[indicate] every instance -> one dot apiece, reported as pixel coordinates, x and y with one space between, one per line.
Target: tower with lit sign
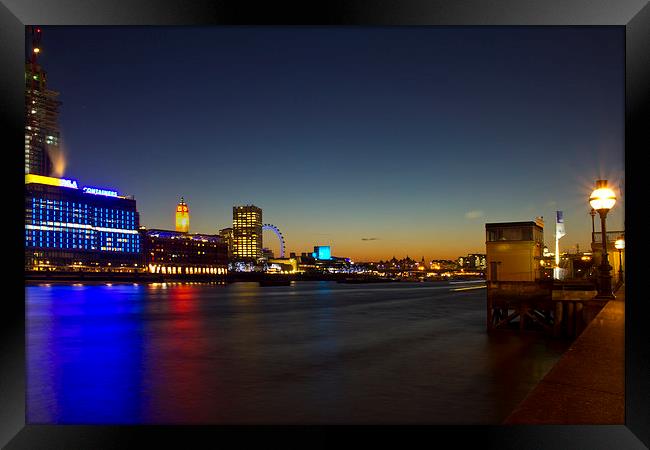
41 109
182 217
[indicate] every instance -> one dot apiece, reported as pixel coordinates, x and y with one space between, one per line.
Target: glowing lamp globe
619 244
602 198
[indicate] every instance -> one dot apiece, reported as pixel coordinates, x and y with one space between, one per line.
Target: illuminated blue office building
322 252
84 229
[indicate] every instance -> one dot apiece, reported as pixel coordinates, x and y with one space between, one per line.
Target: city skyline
316 127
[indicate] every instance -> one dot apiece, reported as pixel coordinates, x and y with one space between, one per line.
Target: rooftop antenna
34 35
35 48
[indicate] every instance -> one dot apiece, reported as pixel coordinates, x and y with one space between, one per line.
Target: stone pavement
586 386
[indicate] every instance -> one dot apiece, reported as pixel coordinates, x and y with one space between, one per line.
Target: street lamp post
592 213
602 199
620 245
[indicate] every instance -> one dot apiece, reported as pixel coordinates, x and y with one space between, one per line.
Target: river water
313 352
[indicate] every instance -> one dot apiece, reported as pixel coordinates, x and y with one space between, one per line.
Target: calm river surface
313 352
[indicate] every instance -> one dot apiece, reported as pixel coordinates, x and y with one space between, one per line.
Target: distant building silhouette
473 261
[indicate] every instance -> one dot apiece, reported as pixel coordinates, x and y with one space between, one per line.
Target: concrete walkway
586 386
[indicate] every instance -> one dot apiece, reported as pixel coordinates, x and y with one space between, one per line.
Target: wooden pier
557 309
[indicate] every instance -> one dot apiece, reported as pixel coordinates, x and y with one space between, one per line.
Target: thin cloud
370 239
474 214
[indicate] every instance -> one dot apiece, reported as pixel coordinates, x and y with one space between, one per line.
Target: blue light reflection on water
84 354
313 352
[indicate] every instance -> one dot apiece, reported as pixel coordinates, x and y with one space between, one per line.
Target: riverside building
514 251
68 228
180 254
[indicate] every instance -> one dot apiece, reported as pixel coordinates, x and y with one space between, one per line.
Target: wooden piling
580 323
490 310
557 320
570 322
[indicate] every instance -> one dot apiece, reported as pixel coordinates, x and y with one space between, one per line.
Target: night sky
378 141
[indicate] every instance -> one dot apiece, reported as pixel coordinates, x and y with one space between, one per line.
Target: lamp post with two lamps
602 199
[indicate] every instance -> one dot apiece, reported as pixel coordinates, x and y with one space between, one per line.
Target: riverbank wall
587 384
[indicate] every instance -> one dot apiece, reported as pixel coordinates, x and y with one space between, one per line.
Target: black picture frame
634 15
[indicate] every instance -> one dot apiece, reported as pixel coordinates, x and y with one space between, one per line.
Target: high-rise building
247 233
42 111
182 217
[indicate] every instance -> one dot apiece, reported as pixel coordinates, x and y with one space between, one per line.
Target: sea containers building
68 228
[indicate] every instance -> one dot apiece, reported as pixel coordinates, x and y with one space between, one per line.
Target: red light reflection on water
182 361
